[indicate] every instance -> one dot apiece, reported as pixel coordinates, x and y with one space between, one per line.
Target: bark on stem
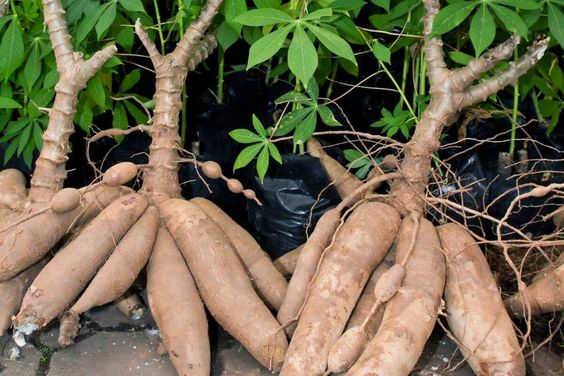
74 73
449 96
160 178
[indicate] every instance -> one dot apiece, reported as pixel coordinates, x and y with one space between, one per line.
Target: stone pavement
111 344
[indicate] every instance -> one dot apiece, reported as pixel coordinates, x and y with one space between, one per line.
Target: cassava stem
74 72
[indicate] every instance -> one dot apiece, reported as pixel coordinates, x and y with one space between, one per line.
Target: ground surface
110 344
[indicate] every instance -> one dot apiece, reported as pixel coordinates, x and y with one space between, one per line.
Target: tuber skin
367 299
120 174
212 170
411 313
348 348
270 285
544 294
287 262
475 311
26 243
223 282
65 200
343 273
306 266
78 262
13 192
177 308
12 292
345 182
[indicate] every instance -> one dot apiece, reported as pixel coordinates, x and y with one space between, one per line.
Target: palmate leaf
305 129
482 29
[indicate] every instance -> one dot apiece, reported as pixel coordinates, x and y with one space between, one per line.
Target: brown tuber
212 169
66 199
347 350
234 185
120 174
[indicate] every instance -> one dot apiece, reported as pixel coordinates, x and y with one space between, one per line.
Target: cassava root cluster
366 288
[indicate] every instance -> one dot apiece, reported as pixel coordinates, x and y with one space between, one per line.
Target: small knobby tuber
120 174
66 199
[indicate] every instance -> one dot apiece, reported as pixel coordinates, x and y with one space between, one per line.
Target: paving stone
117 353
109 316
26 365
231 359
441 357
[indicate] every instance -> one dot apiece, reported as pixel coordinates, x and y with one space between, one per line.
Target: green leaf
521 4
511 20
556 23
106 20
125 37
333 42
24 138
37 135
32 68
139 116
85 118
382 4
313 90
320 13
327 116
96 91
381 52
291 120
305 129
130 80
482 29
6 102
460 57
274 153
226 36
11 49
245 136
353 5
352 155
85 27
452 16
292 96
119 117
263 16
264 48
302 56
267 3
259 127
246 156
262 163
10 151
233 9
132 5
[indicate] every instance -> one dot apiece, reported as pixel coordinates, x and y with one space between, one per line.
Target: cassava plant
33 221
335 264
192 250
